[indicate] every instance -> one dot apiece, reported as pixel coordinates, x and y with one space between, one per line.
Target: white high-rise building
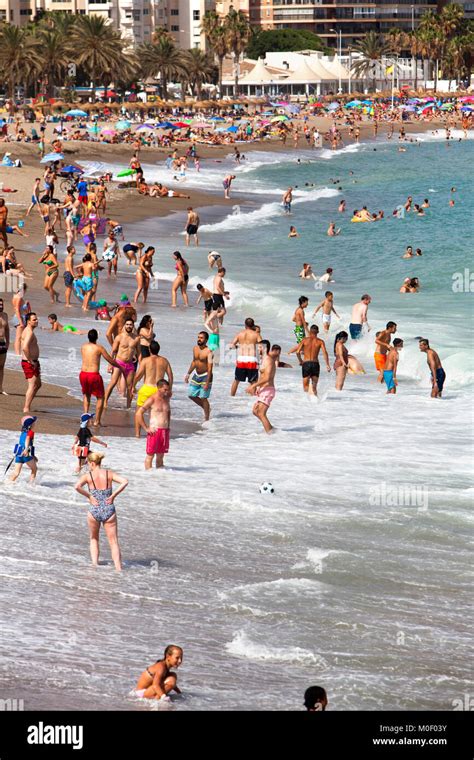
183 19
136 19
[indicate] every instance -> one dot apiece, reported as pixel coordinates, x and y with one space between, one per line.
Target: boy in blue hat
24 450
81 445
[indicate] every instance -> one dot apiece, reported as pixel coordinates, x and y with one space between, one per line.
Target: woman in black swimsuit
181 280
145 331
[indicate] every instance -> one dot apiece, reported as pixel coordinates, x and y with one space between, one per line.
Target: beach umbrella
142 127
353 103
180 125
467 99
108 131
282 117
165 125
76 112
467 108
232 129
217 118
52 157
200 125
332 106
123 125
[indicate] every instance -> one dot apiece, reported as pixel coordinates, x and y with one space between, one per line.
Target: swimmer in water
332 231
293 232
408 253
56 326
342 207
438 375
158 680
307 273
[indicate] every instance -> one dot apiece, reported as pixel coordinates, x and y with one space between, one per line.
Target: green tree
263 41
98 48
56 52
20 55
164 59
199 69
237 27
372 48
216 39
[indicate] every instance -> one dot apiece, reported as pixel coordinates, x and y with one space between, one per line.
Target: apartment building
134 18
183 19
331 18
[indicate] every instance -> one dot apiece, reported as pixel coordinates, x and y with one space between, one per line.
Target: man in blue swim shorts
199 374
438 375
390 371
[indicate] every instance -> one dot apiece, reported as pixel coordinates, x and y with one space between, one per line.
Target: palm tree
56 52
19 55
432 39
237 27
161 58
98 48
372 48
413 45
216 38
199 67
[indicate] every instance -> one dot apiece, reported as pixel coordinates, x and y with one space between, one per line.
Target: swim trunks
3 346
191 229
218 301
158 442
326 319
265 395
380 360
213 342
30 370
87 284
126 366
92 384
299 332
246 368
388 377
144 393
310 369
355 331
440 378
208 305
196 386
68 279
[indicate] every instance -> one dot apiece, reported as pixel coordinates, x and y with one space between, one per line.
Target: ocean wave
242 646
264 214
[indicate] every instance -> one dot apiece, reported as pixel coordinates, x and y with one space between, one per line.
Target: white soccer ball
267 488
109 254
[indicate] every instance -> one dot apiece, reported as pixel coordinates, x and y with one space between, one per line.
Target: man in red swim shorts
30 360
90 377
158 430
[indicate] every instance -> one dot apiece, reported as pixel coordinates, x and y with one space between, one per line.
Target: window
174 12
26 12
146 11
174 28
136 15
196 15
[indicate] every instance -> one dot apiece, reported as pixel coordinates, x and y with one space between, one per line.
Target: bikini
102 512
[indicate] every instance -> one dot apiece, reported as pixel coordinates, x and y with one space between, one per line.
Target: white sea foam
242 646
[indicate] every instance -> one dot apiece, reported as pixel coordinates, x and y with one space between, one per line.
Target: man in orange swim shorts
382 344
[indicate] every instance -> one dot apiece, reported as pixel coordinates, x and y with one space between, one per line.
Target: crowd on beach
138 370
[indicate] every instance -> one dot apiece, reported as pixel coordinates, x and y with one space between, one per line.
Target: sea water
354 573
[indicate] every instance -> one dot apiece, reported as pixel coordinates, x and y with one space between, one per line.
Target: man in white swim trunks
264 389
